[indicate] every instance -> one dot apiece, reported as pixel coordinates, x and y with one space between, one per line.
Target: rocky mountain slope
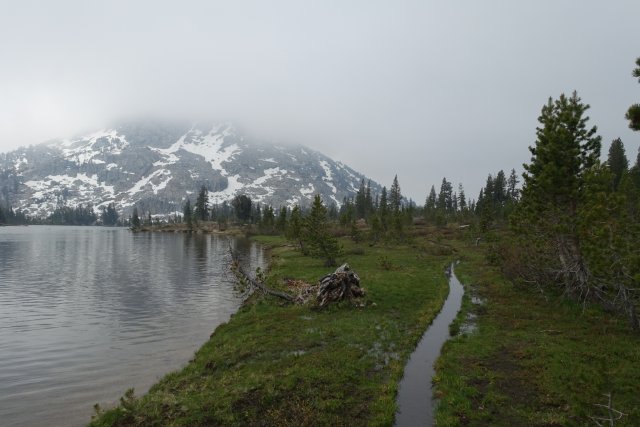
157 166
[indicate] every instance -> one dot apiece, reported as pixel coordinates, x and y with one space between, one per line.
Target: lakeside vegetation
552 338
519 356
533 358
284 364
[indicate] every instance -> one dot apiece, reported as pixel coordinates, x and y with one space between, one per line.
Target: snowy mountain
157 166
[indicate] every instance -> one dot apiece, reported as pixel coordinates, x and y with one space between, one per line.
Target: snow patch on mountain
157 166
147 181
308 191
233 187
85 149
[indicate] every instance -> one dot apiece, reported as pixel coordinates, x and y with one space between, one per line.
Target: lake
87 312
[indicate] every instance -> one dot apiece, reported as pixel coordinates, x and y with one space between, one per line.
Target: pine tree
445 196
316 230
547 216
512 186
633 114
462 200
256 214
332 213
617 162
383 209
347 215
268 219
395 196
202 204
187 214
376 228
430 205
281 222
500 189
109 215
368 201
608 240
242 207
361 201
135 219
295 228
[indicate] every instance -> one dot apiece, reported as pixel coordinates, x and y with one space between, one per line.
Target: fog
421 89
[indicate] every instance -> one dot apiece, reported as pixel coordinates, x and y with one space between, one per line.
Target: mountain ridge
157 166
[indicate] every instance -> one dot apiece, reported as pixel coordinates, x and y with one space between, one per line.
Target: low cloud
419 89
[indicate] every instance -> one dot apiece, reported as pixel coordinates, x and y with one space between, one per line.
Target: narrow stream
415 393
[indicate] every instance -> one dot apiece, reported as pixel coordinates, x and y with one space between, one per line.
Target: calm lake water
87 312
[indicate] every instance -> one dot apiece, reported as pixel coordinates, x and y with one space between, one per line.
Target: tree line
64 215
573 225
10 217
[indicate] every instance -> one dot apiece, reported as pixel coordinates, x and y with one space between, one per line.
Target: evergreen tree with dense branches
633 114
242 207
135 219
430 205
383 209
617 162
281 221
295 227
395 195
462 199
320 242
187 214
361 201
109 215
202 204
570 224
553 182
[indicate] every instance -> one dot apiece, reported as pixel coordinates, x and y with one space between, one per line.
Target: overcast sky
422 89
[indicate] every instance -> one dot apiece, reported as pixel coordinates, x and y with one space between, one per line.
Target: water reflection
87 312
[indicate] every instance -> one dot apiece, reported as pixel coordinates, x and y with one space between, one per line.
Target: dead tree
250 284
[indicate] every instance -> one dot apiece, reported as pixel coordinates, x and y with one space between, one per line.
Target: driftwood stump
343 283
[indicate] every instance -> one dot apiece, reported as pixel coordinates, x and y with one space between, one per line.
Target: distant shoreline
203 227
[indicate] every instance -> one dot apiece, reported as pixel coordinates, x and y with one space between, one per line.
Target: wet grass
534 359
278 364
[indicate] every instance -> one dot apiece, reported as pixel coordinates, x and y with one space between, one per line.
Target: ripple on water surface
87 312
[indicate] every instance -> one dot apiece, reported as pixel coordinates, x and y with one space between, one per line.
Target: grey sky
423 89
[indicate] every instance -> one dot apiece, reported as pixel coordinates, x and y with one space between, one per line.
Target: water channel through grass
415 393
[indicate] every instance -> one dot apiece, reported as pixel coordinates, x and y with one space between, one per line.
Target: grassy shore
199 227
279 364
534 359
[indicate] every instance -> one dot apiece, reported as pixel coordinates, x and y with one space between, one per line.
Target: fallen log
254 283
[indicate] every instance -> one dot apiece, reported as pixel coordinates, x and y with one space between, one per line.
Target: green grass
534 360
279 364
